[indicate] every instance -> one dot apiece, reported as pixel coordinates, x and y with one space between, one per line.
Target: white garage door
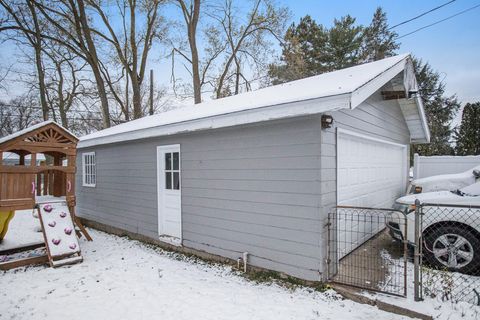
371 173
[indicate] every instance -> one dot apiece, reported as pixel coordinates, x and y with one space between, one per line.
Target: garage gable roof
345 88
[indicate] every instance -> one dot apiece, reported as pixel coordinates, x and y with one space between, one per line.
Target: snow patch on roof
330 84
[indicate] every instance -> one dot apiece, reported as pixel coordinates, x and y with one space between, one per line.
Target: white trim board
368 137
84 172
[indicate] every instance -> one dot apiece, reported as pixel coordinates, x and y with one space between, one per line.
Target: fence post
416 166
417 252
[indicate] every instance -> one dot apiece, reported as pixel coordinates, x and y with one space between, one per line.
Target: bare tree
3 77
18 113
233 35
247 42
132 51
191 13
74 30
65 80
24 18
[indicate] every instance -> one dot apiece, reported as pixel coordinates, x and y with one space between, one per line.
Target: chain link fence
433 250
448 241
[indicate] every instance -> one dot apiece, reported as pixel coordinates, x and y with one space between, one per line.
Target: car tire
453 248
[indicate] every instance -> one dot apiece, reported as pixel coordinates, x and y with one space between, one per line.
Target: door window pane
175 160
168 161
176 180
168 180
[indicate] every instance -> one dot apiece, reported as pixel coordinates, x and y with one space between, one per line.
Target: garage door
371 173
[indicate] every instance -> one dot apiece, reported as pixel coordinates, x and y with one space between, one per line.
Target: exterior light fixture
327 121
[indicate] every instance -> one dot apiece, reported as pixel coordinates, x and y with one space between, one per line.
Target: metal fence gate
361 250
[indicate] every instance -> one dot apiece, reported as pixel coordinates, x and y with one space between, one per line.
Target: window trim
94 166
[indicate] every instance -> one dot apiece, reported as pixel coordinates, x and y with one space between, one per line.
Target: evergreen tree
379 41
468 134
439 110
310 48
344 44
303 52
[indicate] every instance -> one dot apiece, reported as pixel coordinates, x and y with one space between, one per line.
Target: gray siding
375 117
264 188
251 188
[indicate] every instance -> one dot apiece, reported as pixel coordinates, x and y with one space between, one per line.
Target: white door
169 194
371 172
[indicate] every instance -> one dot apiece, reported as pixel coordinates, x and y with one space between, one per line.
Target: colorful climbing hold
56 241
52 224
48 208
68 230
72 246
63 214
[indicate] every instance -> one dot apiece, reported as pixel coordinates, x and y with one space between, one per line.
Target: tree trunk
37 44
137 98
192 40
94 63
103 96
136 82
61 101
41 82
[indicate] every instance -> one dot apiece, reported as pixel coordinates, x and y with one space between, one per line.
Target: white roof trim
363 92
346 88
286 110
423 118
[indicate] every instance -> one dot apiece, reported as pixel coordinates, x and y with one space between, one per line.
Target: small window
172 171
89 172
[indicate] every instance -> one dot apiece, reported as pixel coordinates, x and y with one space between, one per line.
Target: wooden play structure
47 187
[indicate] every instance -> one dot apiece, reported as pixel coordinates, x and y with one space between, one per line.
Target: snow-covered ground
434 282
22 230
125 279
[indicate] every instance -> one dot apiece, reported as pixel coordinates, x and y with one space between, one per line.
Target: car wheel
454 248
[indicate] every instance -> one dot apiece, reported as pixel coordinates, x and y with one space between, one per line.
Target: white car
447 182
451 233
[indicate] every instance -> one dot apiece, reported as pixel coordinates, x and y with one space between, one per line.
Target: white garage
258 172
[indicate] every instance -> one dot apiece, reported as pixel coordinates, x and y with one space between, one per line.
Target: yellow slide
5 218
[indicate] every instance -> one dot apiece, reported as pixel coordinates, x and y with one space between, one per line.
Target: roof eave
423 119
274 112
362 93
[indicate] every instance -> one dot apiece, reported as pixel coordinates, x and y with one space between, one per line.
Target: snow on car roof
472 190
333 84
